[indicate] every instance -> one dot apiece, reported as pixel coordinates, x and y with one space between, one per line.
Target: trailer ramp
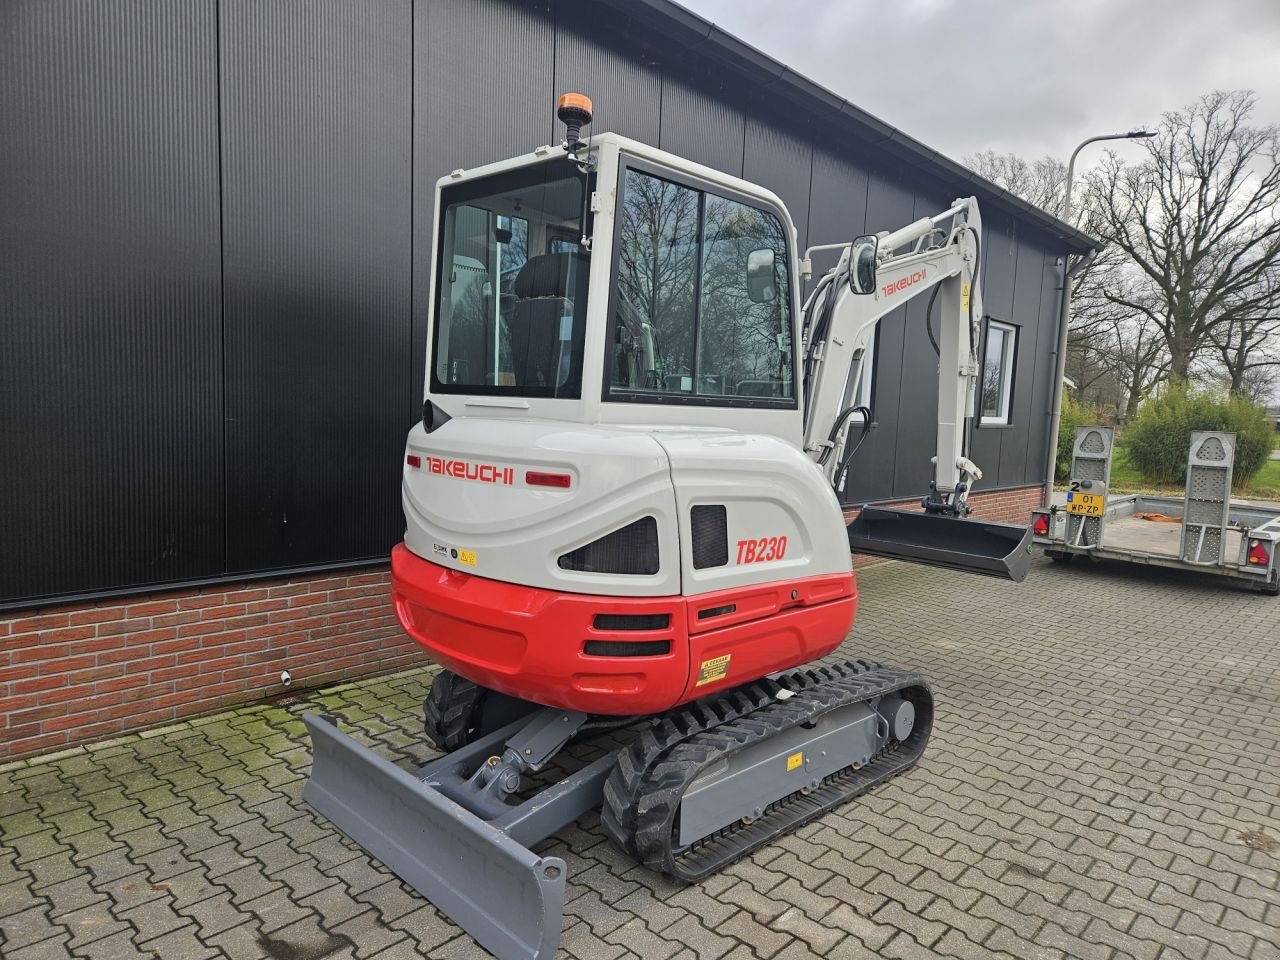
1206 510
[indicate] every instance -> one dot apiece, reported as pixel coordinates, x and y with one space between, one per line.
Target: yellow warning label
468 557
795 761
709 671
964 296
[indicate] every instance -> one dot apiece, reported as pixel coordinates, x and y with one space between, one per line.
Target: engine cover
631 512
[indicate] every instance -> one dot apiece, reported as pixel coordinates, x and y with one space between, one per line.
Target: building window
701 300
997 372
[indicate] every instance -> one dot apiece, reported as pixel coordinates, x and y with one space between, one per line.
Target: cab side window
702 302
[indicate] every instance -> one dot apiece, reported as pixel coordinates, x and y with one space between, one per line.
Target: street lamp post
1055 415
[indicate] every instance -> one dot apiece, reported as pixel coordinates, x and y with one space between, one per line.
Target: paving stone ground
1103 782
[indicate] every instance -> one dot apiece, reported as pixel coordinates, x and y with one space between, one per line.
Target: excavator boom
874 276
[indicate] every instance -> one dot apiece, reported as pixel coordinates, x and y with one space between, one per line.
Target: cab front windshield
511 301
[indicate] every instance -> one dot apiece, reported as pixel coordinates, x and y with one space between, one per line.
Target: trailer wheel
1272 589
457 711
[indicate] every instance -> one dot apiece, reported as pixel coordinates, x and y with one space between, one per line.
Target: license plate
1086 504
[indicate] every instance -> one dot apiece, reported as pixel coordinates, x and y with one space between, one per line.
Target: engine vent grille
627 648
632 549
632 621
709 525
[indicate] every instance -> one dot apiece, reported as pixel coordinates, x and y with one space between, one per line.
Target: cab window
511 304
701 305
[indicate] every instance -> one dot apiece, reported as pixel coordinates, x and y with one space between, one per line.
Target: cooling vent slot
627 648
632 549
709 525
710 612
632 621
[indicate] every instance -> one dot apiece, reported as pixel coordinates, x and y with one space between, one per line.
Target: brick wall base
69 675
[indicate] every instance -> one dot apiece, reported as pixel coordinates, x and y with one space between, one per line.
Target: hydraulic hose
973 335
838 476
928 320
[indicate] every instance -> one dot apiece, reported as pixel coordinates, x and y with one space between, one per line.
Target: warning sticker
795 761
964 296
712 670
468 557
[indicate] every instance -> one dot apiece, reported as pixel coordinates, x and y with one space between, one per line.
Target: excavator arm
875 275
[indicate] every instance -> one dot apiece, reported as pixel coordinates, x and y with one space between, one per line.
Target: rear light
1259 554
1041 525
535 479
414 461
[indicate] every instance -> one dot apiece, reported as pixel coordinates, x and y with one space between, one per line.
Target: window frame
1008 372
609 394
477 188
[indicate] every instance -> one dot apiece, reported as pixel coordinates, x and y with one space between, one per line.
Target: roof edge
695 31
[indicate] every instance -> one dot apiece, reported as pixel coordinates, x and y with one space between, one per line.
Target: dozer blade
974 546
500 892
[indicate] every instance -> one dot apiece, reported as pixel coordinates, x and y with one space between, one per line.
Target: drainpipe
1060 371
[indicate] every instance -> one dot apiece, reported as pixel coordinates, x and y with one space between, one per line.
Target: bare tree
1134 351
1259 385
1041 182
1199 220
1093 318
1246 349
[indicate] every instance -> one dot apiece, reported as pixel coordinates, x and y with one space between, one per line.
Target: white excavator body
620 510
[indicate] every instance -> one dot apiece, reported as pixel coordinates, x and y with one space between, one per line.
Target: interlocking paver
1085 794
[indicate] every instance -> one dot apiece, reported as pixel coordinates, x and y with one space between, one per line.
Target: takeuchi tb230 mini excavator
621 513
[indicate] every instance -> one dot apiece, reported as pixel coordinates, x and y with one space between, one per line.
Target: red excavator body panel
569 650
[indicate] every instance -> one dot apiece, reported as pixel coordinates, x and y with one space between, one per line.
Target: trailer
1204 530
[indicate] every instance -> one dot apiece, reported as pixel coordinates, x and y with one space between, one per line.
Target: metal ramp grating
1207 506
1090 460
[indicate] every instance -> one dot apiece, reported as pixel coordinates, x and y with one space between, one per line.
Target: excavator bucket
974 546
490 884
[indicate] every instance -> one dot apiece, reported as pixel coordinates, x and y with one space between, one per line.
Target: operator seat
548 287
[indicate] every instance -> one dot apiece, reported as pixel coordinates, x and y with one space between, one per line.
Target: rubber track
658 794
451 712
625 786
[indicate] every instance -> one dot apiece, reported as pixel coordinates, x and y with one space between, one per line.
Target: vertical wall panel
837 200
610 59
999 265
110 371
1046 384
483 89
781 160
890 204
1031 343
701 120
316 114
917 424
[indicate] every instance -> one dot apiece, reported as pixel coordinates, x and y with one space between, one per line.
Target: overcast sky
1029 76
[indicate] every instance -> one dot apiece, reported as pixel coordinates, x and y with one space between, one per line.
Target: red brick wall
74 674
1002 506
69 675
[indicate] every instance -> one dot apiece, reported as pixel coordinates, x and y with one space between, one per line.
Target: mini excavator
622 516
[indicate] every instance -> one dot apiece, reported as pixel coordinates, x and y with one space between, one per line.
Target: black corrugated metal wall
215 229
